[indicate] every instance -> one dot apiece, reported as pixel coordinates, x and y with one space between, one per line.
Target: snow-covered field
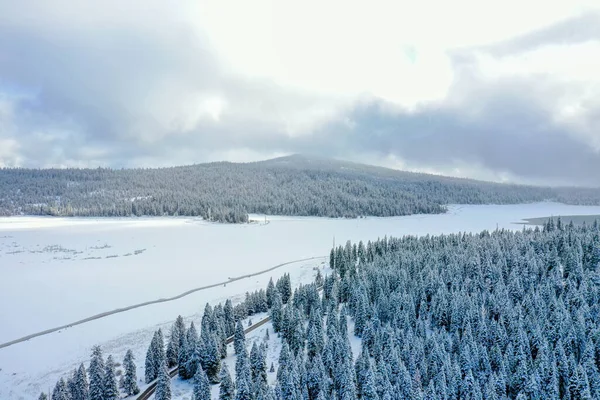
55 271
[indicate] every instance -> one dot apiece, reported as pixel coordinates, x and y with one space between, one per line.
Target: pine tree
229 318
130 385
201 385
61 391
226 387
316 378
163 386
239 338
277 312
210 357
270 293
96 373
78 384
175 342
194 357
43 396
284 287
155 357
110 388
150 371
71 384
160 358
244 391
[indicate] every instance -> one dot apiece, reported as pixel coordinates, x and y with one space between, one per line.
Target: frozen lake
54 271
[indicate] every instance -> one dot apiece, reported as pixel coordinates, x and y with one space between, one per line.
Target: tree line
227 192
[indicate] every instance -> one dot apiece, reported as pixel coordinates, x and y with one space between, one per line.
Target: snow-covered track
146 394
149 391
147 303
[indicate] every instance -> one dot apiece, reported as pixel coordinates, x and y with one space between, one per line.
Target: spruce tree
71 384
210 357
130 385
239 338
201 385
226 387
277 312
243 388
163 385
229 318
82 386
150 372
96 373
172 352
194 357
43 396
110 388
182 357
270 293
155 357
61 391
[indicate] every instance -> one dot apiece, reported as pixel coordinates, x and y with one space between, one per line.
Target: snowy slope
55 271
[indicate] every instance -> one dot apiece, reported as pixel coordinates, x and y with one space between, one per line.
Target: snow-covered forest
493 315
227 192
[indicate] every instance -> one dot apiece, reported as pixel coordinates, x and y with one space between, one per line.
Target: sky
505 91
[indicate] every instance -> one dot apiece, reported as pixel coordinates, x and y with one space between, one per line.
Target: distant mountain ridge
227 192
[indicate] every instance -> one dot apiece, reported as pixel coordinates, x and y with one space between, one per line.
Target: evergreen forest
227 192
487 316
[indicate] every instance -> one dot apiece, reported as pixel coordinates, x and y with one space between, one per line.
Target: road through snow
147 303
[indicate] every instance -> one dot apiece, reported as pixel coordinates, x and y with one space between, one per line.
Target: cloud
150 84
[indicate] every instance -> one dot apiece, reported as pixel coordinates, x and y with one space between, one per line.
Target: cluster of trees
196 355
227 192
99 382
496 315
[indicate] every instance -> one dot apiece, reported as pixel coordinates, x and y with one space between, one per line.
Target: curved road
149 391
147 303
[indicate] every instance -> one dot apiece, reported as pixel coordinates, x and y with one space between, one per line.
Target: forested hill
223 191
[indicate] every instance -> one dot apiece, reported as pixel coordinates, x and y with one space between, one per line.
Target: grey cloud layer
115 97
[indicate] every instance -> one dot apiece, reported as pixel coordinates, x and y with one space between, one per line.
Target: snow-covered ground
182 390
54 271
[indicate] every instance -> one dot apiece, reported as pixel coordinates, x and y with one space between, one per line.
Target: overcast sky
498 90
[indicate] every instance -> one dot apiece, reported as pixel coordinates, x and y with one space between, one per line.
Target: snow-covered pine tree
96 373
182 357
210 357
161 357
239 338
130 385
229 318
61 391
43 396
243 389
270 292
155 357
226 387
71 383
258 365
82 386
172 352
150 372
110 388
201 385
316 379
163 385
284 287
277 311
